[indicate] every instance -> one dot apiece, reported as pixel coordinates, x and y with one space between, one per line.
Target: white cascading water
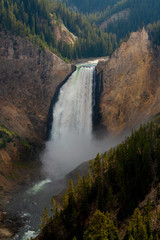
73 111
72 124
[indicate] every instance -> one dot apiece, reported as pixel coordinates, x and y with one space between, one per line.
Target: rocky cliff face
28 80
63 34
131 84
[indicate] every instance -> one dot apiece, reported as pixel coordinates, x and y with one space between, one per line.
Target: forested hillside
88 6
154 32
140 13
116 183
92 41
36 19
129 15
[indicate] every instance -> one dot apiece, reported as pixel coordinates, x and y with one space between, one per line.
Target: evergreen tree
45 219
136 229
101 228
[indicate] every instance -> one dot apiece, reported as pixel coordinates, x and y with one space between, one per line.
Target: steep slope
63 34
90 5
115 17
124 17
38 21
28 79
131 84
111 183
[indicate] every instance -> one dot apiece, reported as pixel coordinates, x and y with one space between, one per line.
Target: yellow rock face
131 84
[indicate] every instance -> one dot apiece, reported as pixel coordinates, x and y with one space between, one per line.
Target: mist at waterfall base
69 152
72 141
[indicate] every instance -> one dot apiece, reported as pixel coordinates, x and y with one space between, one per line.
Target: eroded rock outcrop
131 84
63 34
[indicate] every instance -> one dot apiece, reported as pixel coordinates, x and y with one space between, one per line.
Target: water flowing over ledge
72 123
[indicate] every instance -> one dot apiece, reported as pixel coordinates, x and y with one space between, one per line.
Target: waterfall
72 124
73 111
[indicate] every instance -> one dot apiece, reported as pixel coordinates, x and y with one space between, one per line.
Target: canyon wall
29 78
131 84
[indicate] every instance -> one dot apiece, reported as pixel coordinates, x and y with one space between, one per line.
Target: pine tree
52 206
44 219
147 218
71 193
101 228
137 229
65 201
97 168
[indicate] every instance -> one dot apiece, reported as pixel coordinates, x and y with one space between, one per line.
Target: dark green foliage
154 34
117 180
92 42
2 143
27 150
28 18
88 6
5 136
137 229
147 218
45 219
140 227
141 13
101 227
34 19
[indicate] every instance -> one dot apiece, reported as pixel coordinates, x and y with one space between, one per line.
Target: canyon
128 94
